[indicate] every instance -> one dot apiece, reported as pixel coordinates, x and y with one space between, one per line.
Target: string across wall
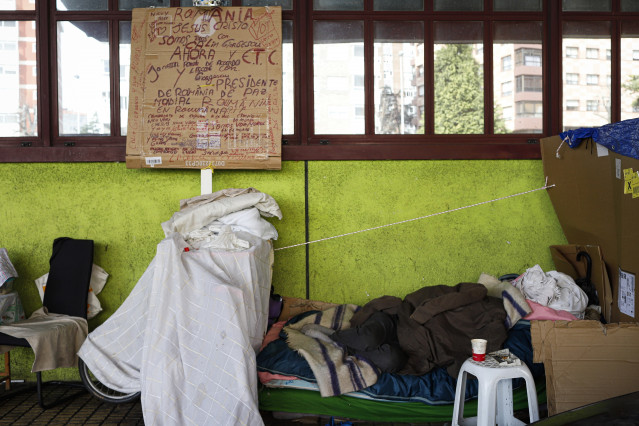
546 186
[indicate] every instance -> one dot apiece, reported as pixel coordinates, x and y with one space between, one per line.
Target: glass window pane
18 79
459 81
338 4
125 72
17 5
586 5
398 5
131 4
82 4
630 70
517 6
338 67
397 56
629 6
191 3
458 5
84 94
288 79
284 4
585 80
517 57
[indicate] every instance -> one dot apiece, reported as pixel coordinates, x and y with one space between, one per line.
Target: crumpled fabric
435 324
225 239
54 338
553 289
197 216
249 220
246 220
621 137
7 270
218 195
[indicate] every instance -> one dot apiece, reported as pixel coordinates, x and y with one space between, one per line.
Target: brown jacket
435 324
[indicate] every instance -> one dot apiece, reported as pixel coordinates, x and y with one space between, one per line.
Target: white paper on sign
626 300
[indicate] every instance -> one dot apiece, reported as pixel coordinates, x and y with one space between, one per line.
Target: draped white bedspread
188 333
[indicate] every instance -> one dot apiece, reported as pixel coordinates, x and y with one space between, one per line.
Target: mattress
310 402
399 398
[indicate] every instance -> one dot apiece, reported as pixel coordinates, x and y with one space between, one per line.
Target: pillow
98 279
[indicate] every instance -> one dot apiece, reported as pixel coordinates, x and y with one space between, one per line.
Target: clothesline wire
546 186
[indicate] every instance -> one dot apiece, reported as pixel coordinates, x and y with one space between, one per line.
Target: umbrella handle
588 263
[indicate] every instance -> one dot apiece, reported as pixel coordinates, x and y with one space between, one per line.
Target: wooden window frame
303 144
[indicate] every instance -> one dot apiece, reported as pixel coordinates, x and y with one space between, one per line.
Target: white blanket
188 334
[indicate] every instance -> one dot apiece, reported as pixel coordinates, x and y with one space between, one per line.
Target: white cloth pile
188 333
553 289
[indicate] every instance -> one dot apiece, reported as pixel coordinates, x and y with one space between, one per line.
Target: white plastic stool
495 393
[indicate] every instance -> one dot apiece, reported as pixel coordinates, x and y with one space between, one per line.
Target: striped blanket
336 372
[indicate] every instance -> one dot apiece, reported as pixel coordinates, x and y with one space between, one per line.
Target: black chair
66 293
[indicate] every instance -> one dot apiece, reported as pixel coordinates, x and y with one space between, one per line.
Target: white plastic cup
479 349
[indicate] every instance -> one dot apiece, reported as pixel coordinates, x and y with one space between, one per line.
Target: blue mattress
434 388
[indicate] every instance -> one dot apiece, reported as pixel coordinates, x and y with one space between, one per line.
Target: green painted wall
122 210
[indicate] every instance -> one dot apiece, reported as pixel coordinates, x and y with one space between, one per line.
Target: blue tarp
621 137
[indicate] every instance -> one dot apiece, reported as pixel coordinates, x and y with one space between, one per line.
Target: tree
92 127
632 85
389 112
459 93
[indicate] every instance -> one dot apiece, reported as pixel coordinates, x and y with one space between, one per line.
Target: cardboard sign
205 88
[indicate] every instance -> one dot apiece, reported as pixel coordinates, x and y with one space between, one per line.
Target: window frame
528 83
592 79
523 56
592 53
304 144
572 105
48 146
592 105
507 63
521 107
576 55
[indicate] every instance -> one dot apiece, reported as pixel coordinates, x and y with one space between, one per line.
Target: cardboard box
594 208
586 361
205 88
565 259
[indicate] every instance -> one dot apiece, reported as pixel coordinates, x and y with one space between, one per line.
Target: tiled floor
19 406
